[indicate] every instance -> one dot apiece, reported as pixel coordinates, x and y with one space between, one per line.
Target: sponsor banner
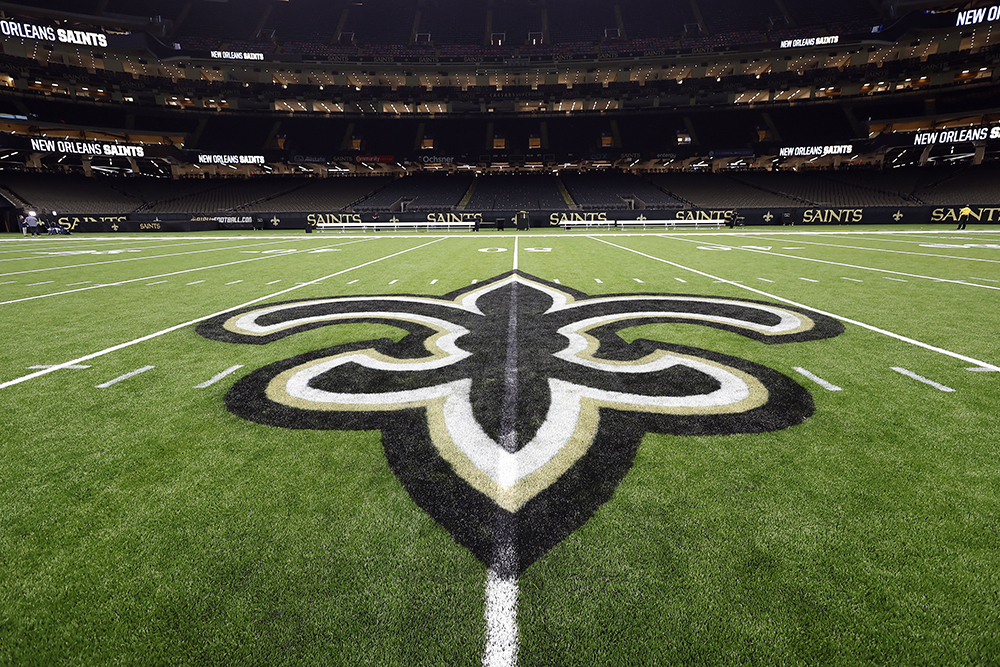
132 222
374 159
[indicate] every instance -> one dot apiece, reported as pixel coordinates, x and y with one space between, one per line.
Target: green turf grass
143 524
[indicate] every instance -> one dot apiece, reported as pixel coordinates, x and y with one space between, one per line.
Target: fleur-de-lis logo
511 410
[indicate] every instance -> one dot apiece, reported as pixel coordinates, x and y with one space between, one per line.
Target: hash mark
196 282
273 282
85 282
44 283
641 282
233 283
434 281
680 280
354 281
118 379
158 282
853 280
766 280
599 281
898 280
921 378
218 376
829 386
809 280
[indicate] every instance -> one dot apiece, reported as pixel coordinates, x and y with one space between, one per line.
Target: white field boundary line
137 259
165 275
916 240
895 252
83 240
982 365
849 266
40 252
176 327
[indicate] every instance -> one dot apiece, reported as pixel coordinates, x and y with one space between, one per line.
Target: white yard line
131 259
921 378
841 264
516 237
955 355
176 327
219 376
42 252
818 380
502 642
895 252
135 280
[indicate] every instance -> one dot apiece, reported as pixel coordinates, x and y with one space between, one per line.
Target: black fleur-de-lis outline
552 514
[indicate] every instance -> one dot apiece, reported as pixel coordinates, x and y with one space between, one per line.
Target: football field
773 446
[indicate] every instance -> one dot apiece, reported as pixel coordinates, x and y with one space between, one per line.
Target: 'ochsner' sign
32 31
819 151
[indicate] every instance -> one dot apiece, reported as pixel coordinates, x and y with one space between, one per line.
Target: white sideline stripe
911 341
900 280
853 280
818 380
273 282
219 376
809 280
766 280
502 640
76 368
44 283
176 327
124 377
159 282
233 283
164 275
823 261
921 378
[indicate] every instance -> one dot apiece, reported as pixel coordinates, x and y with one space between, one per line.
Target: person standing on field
32 223
963 217
23 225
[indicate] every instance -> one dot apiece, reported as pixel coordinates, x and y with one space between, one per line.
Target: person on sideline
963 216
32 223
23 224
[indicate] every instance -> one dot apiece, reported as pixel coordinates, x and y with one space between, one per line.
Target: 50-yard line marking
176 327
955 355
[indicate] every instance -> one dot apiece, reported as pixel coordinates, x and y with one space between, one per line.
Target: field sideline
772 446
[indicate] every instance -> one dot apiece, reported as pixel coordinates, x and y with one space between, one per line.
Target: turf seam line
176 327
121 378
921 378
982 364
